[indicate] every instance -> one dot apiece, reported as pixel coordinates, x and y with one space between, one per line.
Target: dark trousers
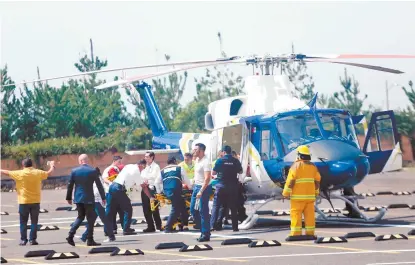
224 211
226 196
114 219
24 211
99 211
84 210
117 198
178 208
148 214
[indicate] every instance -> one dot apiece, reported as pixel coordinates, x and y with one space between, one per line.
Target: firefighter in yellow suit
302 187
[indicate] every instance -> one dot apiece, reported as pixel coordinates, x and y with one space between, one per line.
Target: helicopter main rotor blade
128 68
359 56
367 66
152 75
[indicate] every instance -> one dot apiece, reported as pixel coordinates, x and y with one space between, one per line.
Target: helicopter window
374 145
235 107
265 142
338 126
302 129
386 136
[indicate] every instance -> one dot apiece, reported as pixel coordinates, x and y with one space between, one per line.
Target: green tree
405 118
9 106
74 109
349 99
410 93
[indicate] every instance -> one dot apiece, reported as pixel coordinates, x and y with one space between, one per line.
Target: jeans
99 211
226 197
201 216
84 210
178 208
118 198
25 210
114 219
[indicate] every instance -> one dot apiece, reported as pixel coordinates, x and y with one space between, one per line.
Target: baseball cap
115 158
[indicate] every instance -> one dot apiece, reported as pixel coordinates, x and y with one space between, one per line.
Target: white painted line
370 225
227 258
408 262
50 221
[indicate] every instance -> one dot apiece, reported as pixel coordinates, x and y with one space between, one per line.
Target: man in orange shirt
28 188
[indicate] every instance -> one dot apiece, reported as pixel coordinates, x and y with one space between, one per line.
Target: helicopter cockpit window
302 129
297 130
338 126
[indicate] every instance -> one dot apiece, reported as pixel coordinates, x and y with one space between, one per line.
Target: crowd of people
108 194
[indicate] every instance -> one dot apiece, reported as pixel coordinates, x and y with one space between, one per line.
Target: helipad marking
191 256
246 257
325 246
24 260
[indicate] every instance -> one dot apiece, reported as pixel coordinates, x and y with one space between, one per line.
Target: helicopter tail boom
157 124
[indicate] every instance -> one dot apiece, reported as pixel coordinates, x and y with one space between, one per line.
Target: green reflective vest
190 170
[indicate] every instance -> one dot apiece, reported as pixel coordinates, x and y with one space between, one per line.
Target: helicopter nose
343 172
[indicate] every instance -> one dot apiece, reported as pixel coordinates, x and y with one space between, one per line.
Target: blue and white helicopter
268 123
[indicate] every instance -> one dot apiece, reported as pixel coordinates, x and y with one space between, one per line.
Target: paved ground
358 251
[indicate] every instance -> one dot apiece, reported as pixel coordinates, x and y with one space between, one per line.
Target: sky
54 35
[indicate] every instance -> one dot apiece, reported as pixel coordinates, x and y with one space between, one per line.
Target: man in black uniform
170 181
227 187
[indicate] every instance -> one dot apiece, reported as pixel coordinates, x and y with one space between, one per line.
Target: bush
118 141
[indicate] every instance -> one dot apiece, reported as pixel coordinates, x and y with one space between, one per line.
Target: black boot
70 241
91 242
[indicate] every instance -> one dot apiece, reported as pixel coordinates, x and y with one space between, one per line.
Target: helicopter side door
381 143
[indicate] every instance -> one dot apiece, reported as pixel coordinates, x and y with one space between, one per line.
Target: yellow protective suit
302 186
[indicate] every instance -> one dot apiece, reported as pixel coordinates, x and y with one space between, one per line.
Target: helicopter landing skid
249 222
363 218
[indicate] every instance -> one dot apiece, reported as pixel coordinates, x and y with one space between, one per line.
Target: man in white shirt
201 192
116 164
149 176
126 179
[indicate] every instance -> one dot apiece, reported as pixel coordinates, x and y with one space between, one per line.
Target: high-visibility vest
300 181
190 170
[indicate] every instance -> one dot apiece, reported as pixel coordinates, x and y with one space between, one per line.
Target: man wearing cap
302 187
115 166
227 168
170 181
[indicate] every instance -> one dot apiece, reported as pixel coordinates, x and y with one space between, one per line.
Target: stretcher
161 200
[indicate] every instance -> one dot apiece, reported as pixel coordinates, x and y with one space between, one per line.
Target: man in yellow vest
188 166
302 187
